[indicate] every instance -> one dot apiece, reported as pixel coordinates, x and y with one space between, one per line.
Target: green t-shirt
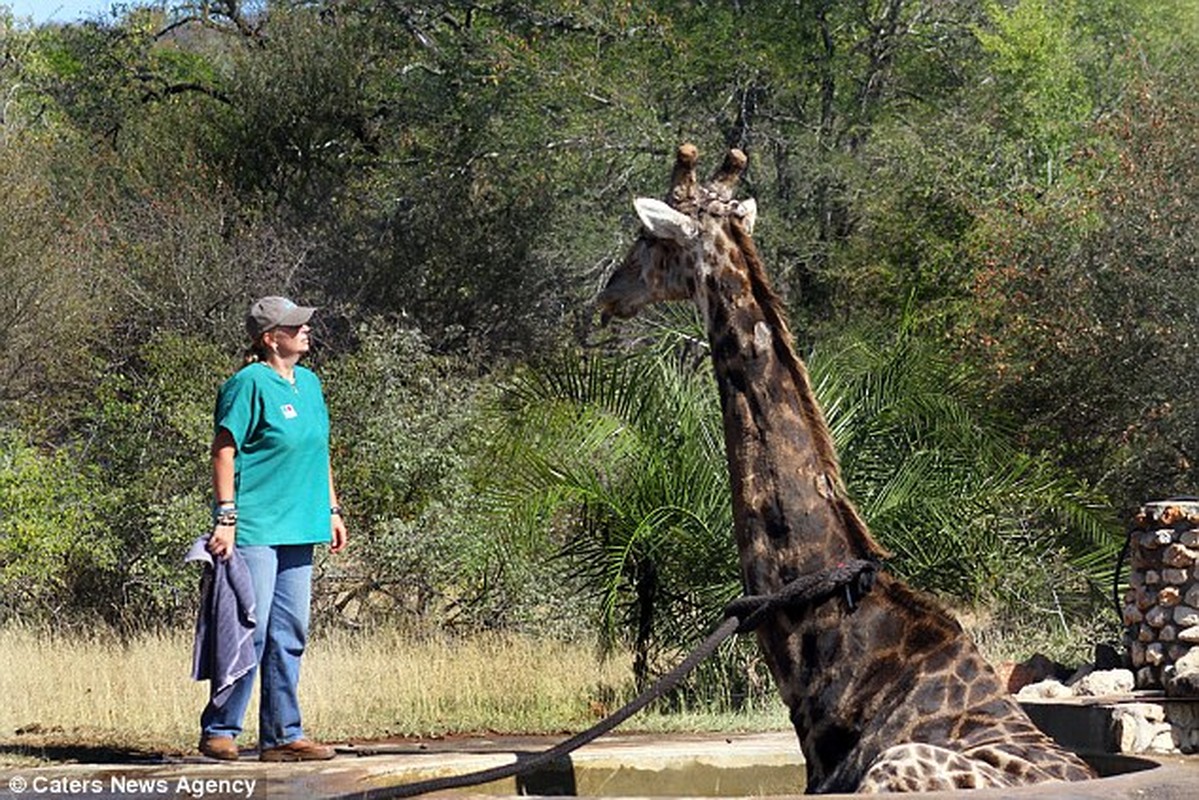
282 461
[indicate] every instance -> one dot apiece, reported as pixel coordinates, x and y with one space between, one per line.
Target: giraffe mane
772 308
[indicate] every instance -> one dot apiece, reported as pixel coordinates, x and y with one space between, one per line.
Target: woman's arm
220 544
340 534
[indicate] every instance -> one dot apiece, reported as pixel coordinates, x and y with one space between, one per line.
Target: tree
1010 180
1086 309
50 309
425 555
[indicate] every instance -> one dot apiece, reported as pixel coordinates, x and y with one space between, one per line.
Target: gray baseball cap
271 312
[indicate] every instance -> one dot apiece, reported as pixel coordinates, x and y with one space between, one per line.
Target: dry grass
96 692
62 694
386 684
1001 638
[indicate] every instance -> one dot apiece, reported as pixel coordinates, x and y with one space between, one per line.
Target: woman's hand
220 543
340 535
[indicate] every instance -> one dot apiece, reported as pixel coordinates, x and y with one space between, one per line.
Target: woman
275 499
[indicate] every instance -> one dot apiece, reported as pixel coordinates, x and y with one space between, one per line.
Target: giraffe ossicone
886 692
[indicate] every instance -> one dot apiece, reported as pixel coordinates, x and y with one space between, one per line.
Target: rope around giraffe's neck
855 578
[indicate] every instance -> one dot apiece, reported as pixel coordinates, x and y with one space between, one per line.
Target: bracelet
335 511
224 517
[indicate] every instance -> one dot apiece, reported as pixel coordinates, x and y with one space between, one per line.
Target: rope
1117 600
855 576
742 615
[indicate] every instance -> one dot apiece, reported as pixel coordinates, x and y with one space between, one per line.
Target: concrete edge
1168 778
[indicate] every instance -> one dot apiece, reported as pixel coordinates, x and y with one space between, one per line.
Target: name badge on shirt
289 411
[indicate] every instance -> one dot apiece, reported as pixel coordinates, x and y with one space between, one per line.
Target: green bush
96 529
422 551
55 546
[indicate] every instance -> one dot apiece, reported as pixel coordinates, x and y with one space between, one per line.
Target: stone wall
1166 727
1161 606
1098 712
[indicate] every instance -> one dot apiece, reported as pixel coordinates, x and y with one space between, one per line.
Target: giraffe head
682 241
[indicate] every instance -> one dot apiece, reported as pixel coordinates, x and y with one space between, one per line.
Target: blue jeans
282 577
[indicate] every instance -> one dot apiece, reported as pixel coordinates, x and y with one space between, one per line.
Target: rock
1152 578
1146 677
1145 598
1165 740
1174 576
1184 616
1189 538
1181 679
1105 682
1192 597
1189 635
1158 616
1168 633
1155 654
1177 555
1184 715
1079 674
1045 690
1132 615
1036 668
1169 596
1150 712
1170 515
1152 540
1137 726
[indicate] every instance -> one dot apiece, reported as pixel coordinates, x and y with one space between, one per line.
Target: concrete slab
740 765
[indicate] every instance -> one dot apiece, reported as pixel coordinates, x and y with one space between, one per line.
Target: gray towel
224 647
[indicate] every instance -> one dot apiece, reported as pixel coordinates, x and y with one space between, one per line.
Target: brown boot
222 748
299 750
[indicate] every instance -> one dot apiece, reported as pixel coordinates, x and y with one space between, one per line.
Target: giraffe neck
791 518
790 515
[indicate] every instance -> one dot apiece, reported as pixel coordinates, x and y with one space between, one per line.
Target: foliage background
982 216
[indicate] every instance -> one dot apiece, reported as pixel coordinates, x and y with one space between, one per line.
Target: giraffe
885 690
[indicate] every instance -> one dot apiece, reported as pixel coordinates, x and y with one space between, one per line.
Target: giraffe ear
664 222
749 214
